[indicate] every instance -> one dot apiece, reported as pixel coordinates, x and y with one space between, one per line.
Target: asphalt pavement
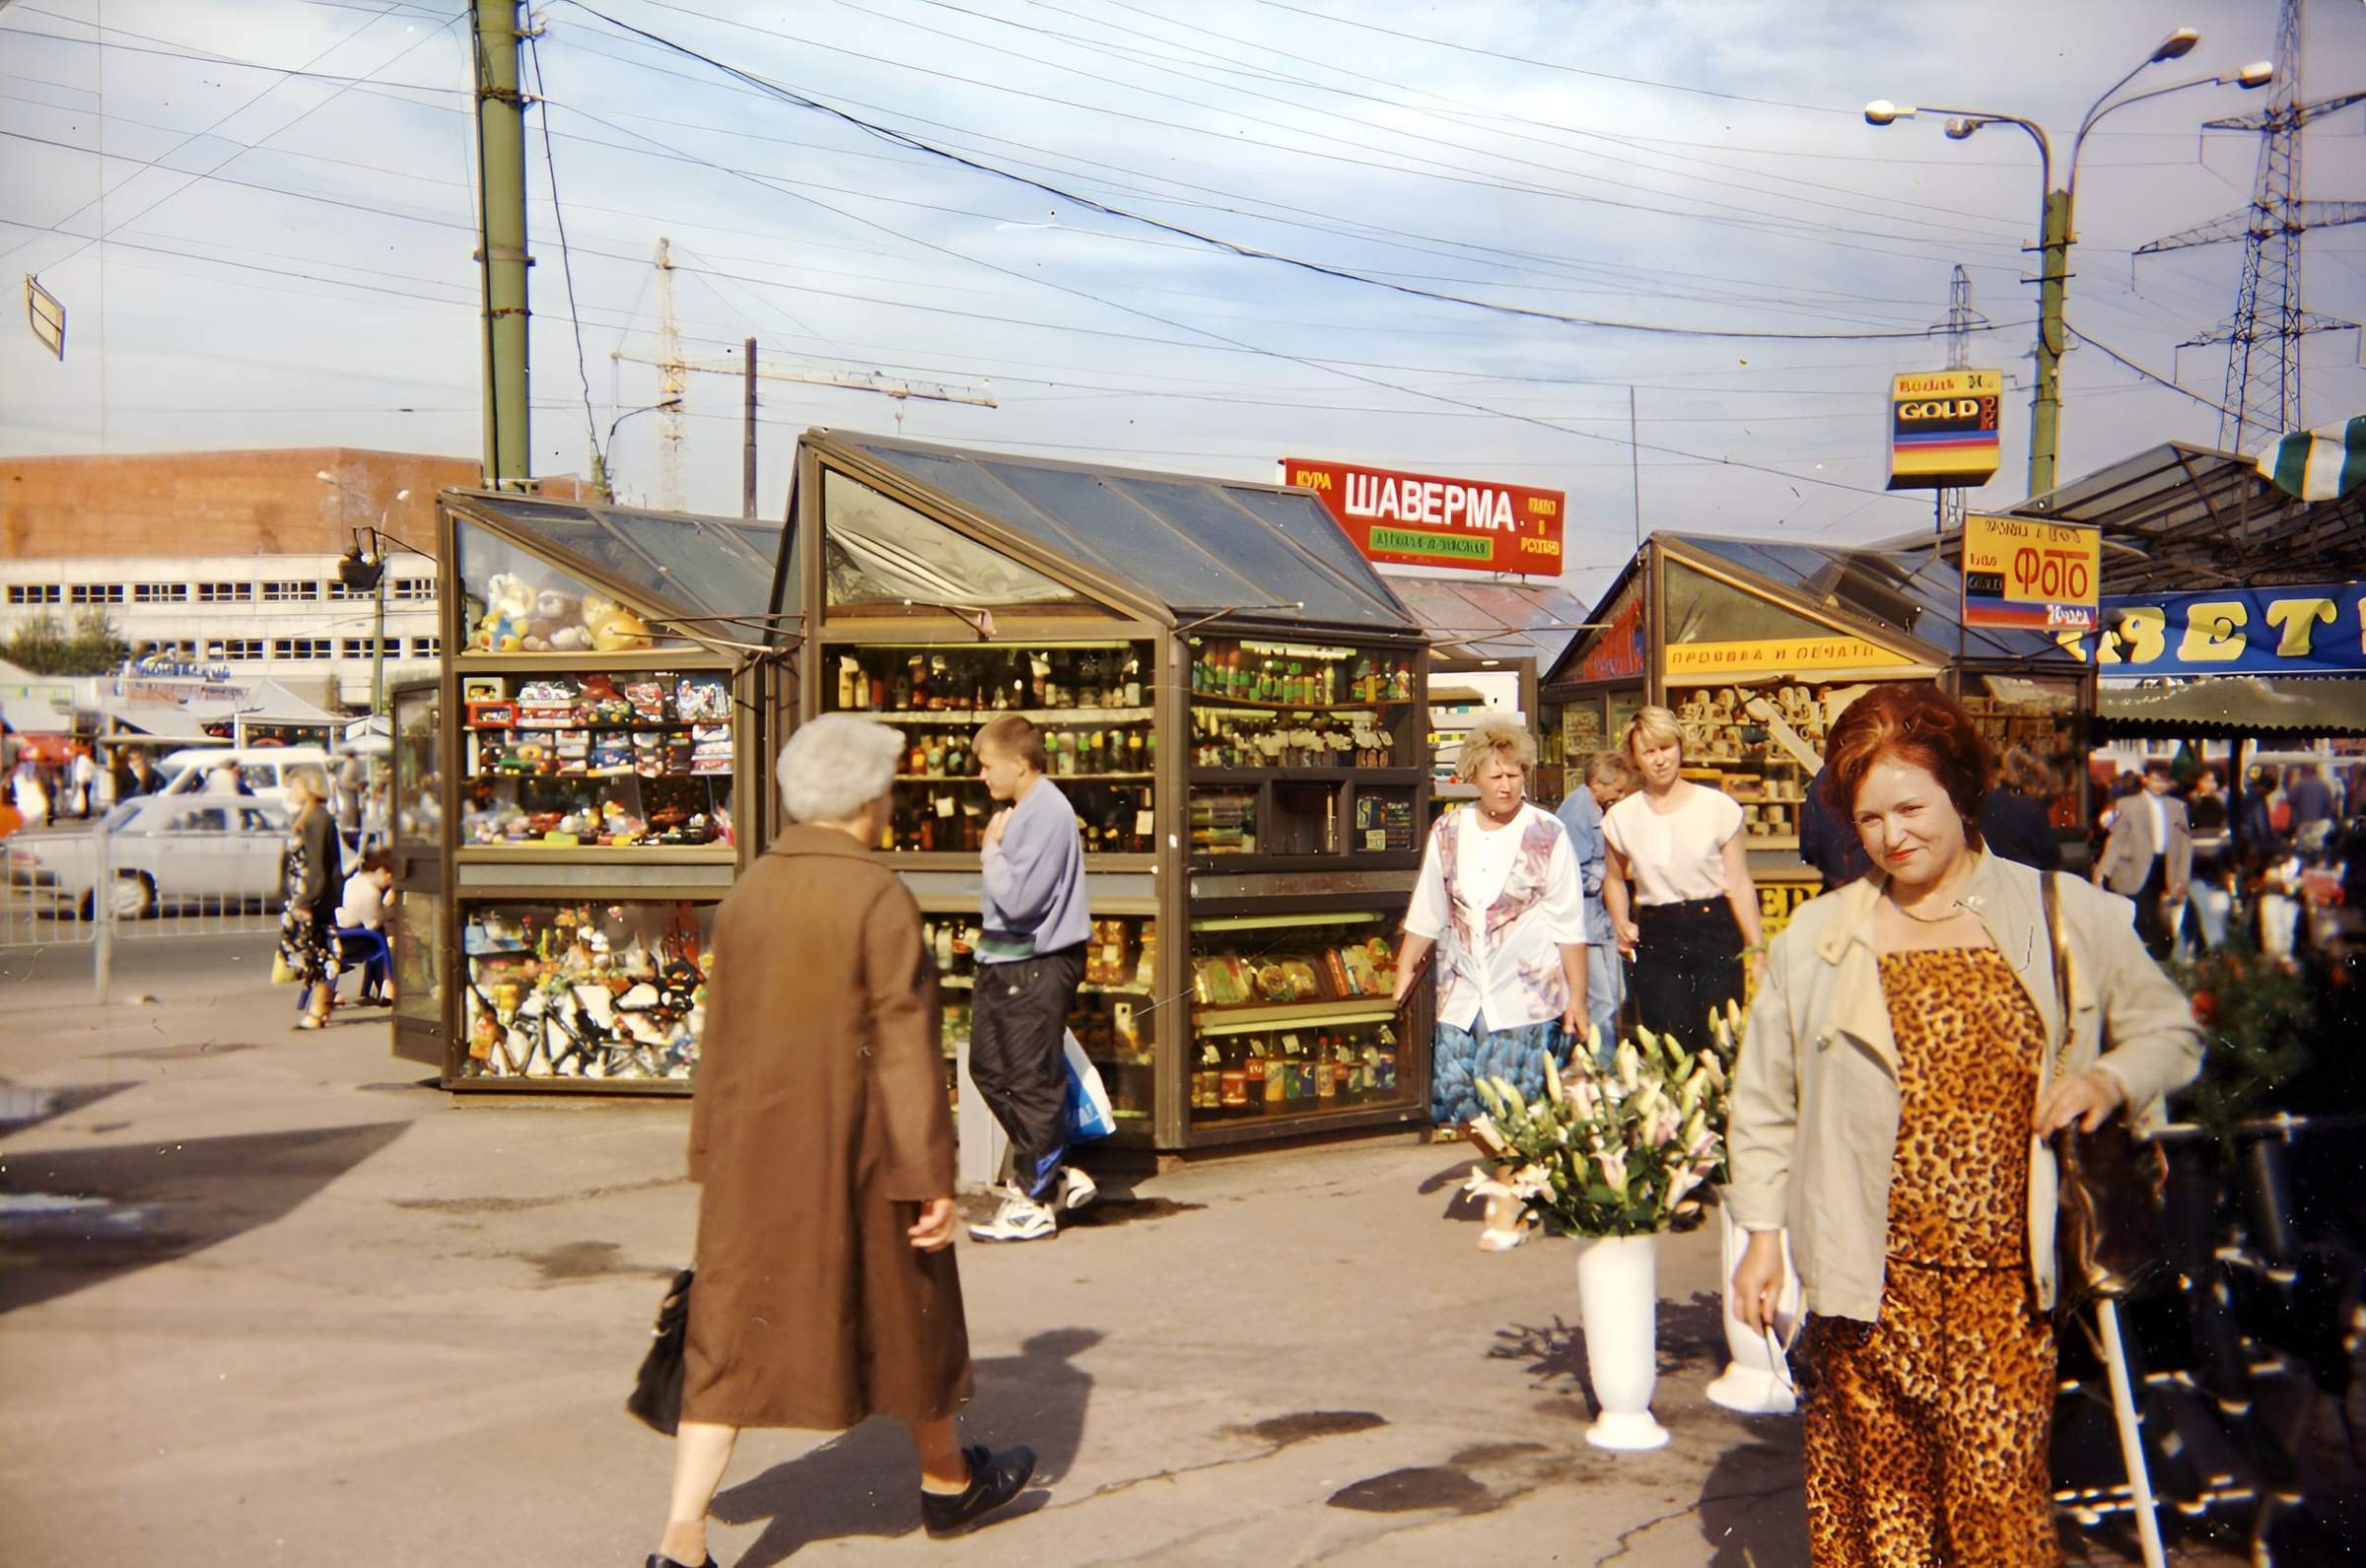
265 1297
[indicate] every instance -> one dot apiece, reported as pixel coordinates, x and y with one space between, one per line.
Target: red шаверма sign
1425 520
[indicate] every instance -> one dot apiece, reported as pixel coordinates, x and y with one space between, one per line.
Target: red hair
1915 724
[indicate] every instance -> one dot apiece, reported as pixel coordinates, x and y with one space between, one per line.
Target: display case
1231 703
566 813
1292 1017
1089 698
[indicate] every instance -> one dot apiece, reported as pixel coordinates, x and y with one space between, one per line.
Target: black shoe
994 1480
657 1559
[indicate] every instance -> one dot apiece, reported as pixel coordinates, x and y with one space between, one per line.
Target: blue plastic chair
356 944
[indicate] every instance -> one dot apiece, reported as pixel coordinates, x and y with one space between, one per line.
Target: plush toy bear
557 624
509 609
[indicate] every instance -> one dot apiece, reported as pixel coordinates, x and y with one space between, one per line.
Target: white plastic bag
1088 1113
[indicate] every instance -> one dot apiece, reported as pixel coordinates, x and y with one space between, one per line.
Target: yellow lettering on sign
2138 634
2076 642
2214 632
2298 618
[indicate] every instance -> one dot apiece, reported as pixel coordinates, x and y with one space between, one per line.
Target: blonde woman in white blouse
1693 910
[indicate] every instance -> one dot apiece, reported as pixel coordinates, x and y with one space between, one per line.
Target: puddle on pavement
584 1260
1304 1425
182 1051
1411 1491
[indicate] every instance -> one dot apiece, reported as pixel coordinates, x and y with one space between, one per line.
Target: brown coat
818 1130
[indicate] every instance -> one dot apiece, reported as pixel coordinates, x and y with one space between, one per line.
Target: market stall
1232 700
1759 647
566 812
1490 639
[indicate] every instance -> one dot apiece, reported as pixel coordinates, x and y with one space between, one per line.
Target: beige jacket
1813 1128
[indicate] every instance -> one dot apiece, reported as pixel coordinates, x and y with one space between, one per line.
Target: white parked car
166 853
263 768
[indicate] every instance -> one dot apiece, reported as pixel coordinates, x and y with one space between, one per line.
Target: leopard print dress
1927 1432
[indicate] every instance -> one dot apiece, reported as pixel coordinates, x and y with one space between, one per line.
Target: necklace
1954 907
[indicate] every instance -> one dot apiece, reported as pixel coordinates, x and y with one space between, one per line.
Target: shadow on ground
867 1482
1753 1509
73 1218
1690 1338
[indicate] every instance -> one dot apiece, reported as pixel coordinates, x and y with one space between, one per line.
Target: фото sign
1943 429
2041 577
1425 520
2294 631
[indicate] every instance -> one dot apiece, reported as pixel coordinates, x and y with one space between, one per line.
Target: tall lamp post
2054 233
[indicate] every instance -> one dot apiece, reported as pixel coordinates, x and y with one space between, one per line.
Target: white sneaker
1075 1188
1020 1220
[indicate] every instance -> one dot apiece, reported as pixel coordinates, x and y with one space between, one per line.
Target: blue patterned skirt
1459 1058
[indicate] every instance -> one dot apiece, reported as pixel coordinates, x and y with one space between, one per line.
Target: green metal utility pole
501 254
2053 276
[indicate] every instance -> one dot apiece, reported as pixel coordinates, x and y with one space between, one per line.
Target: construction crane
673 380
2262 336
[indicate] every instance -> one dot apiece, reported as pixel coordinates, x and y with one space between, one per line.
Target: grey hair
836 765
1495 734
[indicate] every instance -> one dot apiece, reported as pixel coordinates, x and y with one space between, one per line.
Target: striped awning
2321 464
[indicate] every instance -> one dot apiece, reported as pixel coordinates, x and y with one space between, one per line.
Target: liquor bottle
851 686
1205 1091
1277 1080
1133 680
1145 967
956 761
916 672
916 760
1133 762
941 941
1232 1079
934 753
879 694
1326 1076
928 831
1038 681
942 692
899 695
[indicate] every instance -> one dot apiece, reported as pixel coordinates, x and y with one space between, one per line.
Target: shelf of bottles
1300 750
626 760
1091 701
594 992
1113 1019
1292 1016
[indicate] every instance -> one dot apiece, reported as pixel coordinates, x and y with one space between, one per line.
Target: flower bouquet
1607 1151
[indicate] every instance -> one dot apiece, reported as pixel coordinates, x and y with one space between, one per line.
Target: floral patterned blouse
1498 962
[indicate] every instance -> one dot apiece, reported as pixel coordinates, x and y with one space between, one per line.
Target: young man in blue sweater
1030 961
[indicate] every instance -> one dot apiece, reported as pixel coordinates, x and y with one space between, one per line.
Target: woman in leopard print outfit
1893 1089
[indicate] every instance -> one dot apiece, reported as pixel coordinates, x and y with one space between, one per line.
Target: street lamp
2054 225
357 571
599 454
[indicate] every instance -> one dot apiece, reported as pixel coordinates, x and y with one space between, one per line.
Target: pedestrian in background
1830 846
2313 807
1030 962
310 878
825 1290
2149 855
82 782
31 795
2013 820
353 784
1920 1208
369 894
1609 776
1693 910
1500 899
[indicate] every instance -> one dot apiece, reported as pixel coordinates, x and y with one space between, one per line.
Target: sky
260 216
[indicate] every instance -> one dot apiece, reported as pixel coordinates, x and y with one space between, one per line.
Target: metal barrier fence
211 870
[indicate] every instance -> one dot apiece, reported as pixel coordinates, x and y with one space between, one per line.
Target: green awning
2229 706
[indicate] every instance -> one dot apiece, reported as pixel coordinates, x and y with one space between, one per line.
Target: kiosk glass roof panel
879 551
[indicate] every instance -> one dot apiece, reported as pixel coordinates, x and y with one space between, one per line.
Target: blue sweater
1033 900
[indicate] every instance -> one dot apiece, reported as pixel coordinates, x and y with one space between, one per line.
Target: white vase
1618 1299
1753 1382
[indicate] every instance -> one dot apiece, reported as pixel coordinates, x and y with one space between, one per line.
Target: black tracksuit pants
1018 1015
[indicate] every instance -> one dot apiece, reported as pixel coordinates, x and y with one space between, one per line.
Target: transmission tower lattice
1960 316
2262 337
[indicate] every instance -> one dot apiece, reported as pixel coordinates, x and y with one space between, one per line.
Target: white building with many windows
285 618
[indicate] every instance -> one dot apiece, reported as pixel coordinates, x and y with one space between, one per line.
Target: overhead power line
1215 241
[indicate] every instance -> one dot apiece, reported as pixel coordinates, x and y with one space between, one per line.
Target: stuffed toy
613 627
509 611
556 624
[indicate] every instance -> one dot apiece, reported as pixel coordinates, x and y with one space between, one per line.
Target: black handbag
2111 1235
657 1397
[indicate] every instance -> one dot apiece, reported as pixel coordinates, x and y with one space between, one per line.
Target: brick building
228 558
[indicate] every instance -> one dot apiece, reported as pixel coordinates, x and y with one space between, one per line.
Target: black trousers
2152 916
1017 1016
1687 960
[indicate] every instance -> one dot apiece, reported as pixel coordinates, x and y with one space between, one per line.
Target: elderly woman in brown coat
826 1290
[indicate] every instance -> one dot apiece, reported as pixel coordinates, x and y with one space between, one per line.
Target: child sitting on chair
363 908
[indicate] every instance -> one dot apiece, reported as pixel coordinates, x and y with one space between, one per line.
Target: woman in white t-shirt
1692 911
1500 901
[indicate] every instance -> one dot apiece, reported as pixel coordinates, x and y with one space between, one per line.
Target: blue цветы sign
2292 631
